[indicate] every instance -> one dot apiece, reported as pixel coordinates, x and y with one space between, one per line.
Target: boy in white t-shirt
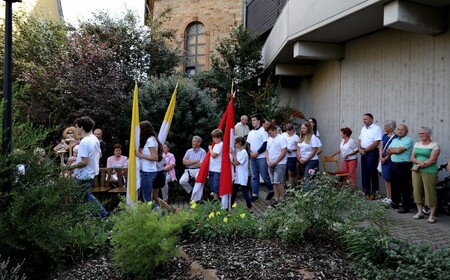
86 165
215 162
276 157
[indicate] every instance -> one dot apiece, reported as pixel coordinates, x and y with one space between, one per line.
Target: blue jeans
236 188
259 167
311 164
369 172
89 197
214 181
145 192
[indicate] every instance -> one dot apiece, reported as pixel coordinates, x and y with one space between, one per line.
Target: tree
195 112
64 72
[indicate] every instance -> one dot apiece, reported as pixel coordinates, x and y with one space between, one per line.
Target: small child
215 162
240 161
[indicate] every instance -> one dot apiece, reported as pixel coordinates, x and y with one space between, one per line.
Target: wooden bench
101 182
118 186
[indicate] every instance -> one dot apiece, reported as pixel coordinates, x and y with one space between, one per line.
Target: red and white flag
226 184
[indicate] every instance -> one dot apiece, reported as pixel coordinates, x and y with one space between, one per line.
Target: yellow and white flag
134 165
165 127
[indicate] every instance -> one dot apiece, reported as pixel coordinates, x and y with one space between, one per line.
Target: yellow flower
234 205
150 203
193 205
242 215
218 213
211 215
225 220
192 202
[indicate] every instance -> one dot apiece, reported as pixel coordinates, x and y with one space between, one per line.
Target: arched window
195 48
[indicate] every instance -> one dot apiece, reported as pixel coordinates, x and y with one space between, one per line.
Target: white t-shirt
241 175
306 148
256 138
215 164
89 147
292 144
149 165
274 147
348 148
369 135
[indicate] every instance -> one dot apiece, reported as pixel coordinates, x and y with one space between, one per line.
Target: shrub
144 239
45 221
322 214
209 222
10 273
405 260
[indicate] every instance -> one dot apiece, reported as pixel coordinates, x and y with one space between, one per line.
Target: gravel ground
241 259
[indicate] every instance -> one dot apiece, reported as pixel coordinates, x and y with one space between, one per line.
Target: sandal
418 216
432 219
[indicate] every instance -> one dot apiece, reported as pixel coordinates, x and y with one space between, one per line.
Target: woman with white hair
385 159
425 173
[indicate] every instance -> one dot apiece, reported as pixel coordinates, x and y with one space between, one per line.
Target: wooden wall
393 75
262 14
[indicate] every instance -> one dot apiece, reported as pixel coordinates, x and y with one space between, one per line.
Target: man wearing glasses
192 160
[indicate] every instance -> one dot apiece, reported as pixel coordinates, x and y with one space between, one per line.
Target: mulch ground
240 259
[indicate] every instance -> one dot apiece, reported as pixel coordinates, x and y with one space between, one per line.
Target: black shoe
402 210
273 205
255 198
394 205
269 196
426 210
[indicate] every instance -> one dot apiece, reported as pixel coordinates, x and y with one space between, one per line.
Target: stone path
403 225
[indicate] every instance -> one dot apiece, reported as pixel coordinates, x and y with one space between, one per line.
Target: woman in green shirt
424 173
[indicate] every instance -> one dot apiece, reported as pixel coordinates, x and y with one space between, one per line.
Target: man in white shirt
87 163
192 160
257 139
368 142
241 128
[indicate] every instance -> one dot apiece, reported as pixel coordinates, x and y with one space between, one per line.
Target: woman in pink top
169 168
117 160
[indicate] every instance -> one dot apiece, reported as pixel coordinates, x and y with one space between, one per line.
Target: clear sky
73 10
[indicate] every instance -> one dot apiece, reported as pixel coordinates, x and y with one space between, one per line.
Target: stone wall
217 16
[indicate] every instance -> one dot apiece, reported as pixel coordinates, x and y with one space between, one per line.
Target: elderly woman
424 173
385 159
349 152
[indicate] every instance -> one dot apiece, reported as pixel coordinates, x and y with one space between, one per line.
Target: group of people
409 170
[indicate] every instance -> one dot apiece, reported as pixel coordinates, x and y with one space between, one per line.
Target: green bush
144 239
324 213
209 222
45 220
405 260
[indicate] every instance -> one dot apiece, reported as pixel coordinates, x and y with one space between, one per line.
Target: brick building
200 25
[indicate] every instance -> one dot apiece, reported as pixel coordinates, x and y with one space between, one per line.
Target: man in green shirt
400 153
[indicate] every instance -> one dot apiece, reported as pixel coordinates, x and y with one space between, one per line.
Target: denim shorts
214 181
277 173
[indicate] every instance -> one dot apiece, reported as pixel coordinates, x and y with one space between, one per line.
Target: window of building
195 48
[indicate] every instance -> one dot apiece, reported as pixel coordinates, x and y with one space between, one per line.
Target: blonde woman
307 148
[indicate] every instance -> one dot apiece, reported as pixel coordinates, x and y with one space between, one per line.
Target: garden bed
241 259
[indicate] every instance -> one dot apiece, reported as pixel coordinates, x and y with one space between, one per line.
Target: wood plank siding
395 75
262 14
